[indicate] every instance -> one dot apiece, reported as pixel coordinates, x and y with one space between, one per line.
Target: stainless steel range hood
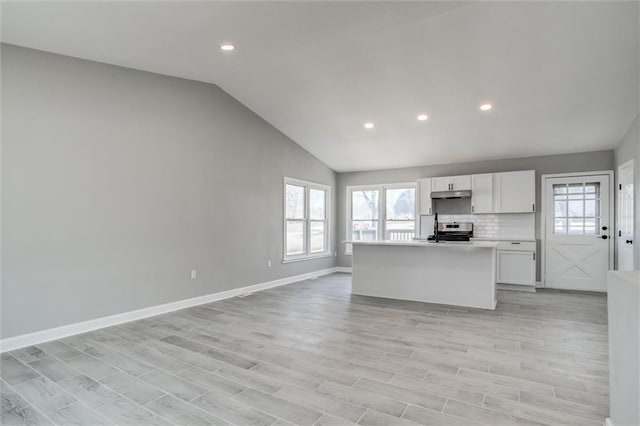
450 195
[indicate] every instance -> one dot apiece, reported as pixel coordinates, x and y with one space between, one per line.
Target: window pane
317 238
591 208
560 189
364 205
592 187
576 226
577 212
576 208
591 226
560 226
401 204
400 230
295 237
366 230
576 188
560 209
294 202
317 198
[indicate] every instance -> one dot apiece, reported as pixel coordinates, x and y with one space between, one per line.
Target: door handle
629 241
604 237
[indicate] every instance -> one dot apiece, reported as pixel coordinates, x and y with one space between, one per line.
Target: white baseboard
516 287
345 269
17 342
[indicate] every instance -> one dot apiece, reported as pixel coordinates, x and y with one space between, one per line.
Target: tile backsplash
495 226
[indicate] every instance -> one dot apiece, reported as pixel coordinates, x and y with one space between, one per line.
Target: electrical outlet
193 274
268 264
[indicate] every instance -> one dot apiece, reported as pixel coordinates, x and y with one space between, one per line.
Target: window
576 208
306 224
383 212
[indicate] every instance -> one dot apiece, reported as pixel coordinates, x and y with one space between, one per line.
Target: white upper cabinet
482 193
424 202
451 183
514 192
510 192
441 184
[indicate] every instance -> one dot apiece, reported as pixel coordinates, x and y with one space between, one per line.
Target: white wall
116 183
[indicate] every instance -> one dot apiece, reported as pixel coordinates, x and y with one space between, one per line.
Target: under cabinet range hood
450 195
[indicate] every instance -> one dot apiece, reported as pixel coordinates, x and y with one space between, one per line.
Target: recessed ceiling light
227 47
368 125
422 117
486 107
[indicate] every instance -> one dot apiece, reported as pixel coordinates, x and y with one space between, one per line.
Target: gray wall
599 160
628 149
116 183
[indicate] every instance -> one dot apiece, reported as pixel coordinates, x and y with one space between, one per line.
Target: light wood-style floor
312 354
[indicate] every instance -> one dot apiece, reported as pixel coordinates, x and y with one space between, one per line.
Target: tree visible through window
385 212
401 214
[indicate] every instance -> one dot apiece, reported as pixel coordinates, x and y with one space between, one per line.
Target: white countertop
628 277
422 243
527 240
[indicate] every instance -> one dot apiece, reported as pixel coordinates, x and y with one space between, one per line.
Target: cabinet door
514 192
441 184
461 183
424 191
482 193
517 267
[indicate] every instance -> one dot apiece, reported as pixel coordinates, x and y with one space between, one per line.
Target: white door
577 232
626 214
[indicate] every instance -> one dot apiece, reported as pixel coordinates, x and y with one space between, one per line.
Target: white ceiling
563 76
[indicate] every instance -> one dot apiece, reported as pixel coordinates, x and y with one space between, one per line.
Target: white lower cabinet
517 263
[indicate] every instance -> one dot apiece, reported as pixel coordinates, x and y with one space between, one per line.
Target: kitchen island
452 273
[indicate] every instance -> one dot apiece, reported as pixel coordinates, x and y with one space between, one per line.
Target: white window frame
382 207
307 255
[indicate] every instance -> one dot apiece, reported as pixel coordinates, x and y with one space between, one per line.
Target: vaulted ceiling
562 76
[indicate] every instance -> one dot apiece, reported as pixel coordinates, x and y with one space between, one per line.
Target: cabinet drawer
529 246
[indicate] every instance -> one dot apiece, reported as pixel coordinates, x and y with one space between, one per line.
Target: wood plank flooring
312 354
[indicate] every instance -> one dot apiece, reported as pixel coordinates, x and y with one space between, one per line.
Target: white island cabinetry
461 274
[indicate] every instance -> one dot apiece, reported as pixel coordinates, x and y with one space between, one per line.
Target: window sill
303 258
